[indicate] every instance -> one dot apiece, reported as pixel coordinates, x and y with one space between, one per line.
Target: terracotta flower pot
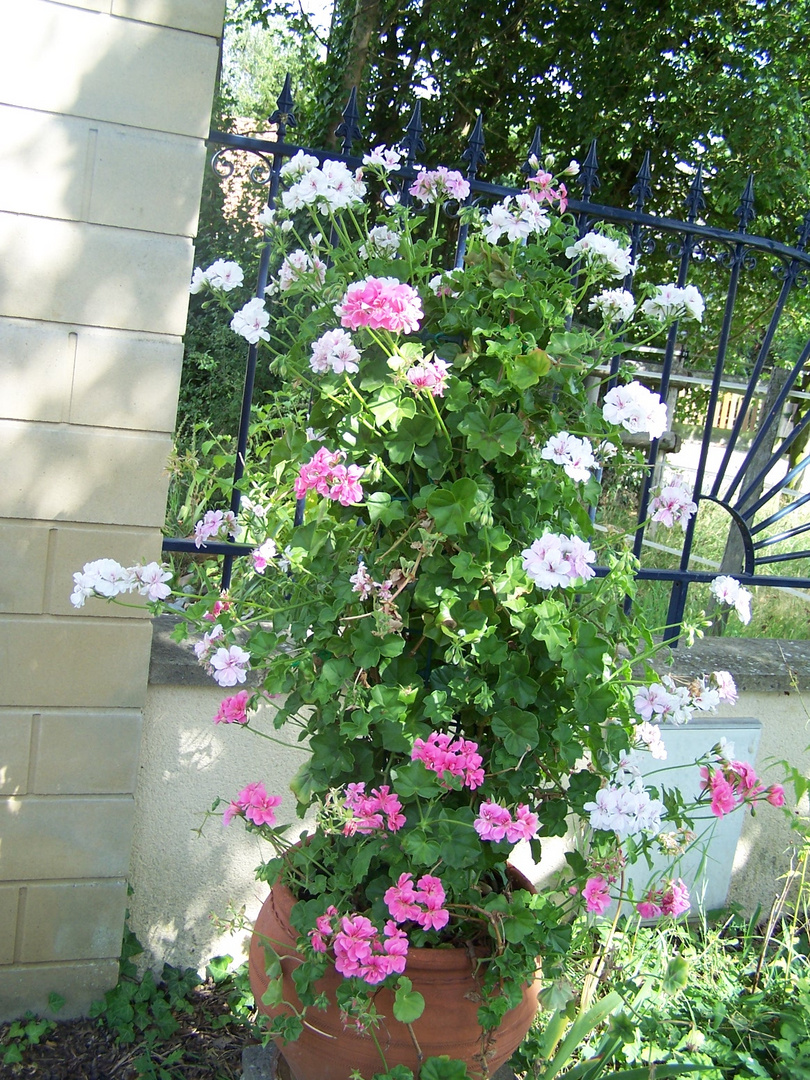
449 1024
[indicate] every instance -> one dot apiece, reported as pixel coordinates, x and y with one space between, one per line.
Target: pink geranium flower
597 895
381 304
233 710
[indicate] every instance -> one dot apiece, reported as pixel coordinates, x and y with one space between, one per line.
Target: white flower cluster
299 266
382 243
636 408
625 809
383 157
108 578
221 275
729 591
603 256
614 305
670 302
574 454
329 188
251 321
516 218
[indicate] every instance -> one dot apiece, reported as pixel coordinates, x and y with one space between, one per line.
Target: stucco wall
104 107
180 878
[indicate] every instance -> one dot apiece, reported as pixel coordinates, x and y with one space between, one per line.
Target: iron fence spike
284 114
589 173
412 143
642 189
349 130
745 212
474 154
694 201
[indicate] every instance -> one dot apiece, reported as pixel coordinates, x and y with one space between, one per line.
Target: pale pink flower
725 686
729 591
574 454
556 559
230 666
429 375
233 710
438 185
382 243
636 408
214 525
203 647
673 505
335 351
381 303
263 555
597 895
221 275
362 582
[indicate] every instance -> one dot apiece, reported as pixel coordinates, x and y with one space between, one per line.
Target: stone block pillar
104 108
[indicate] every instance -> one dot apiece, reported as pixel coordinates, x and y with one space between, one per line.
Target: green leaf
677 975
451 507
274 994
518 730
443 1068
527 369
408 1003
381 507
491 436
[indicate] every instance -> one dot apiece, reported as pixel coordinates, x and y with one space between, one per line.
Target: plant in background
422 604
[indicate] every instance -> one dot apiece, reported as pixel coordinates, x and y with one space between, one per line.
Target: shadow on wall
179 875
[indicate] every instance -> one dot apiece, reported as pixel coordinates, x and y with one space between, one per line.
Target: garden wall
104 108
181 877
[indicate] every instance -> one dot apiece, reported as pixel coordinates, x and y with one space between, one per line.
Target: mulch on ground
87 1050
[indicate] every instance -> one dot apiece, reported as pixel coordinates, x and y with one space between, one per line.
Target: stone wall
104 107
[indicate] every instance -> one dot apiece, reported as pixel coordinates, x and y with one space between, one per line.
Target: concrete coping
759 665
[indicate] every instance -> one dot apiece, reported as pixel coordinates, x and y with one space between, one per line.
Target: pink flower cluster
251 321
326 474
459 757
359 951
436 185
671 899
423 903
734 783
495 823
557 559
334 351
574 454
540 188
371 813
381 304
214 525
233 710
625 809
263 555
332 187
430 375
673 505
254 804
636 408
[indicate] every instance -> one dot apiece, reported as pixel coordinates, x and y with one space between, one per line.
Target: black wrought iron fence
752 480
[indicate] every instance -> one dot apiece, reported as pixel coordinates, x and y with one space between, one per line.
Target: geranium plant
421 603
